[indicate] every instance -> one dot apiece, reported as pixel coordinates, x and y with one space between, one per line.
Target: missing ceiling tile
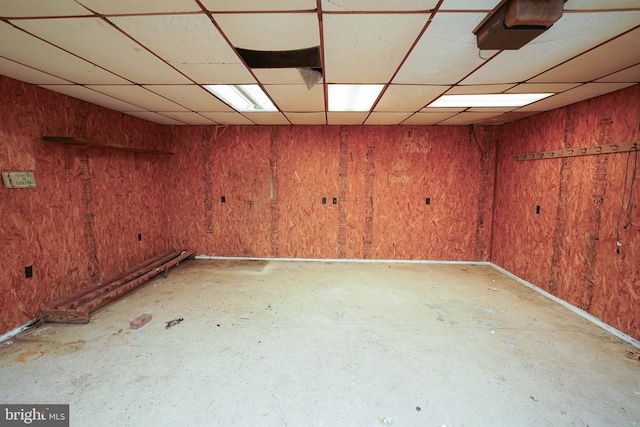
311 76
299 58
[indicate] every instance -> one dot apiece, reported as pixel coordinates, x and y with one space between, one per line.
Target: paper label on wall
19 179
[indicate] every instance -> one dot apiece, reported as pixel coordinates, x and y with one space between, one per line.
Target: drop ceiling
152 58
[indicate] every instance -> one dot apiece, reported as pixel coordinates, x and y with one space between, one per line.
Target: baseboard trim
396 261
571 307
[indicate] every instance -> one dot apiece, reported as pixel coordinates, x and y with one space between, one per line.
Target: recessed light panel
243 98
353 97
489 100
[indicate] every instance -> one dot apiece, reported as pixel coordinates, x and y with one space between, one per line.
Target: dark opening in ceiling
300 58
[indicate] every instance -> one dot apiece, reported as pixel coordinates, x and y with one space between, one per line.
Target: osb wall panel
374 180
577 259
82 220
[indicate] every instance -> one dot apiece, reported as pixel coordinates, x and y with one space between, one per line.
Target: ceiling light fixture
488 100
243 98
353 97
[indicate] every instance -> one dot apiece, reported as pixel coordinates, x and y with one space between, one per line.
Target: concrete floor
293 343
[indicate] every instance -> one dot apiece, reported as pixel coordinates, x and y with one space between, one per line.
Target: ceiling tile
467 118
227 118
586 91
192 97
631 74
476 89
408 97
506 118
96 41
138 96
367 48
81 92
474 5
346 118
428 118
489 109
297 98
386 118
270 31
258 5
267 118
570 36
108 7
26 74
615 55
190 43
542 87
600 4
23 8
307 118
154 117
279 76
189 117
40 55
377 5
446 52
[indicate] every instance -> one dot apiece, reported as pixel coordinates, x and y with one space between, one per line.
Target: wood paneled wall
374 182
81 222
569 248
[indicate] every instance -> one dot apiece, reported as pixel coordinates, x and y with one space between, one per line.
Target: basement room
320 213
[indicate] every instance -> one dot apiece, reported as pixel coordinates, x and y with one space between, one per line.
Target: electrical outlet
28 272
139 237
223 199
538 210
428 201
324 200
335 200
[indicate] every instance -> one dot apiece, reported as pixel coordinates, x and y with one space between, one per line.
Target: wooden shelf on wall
69 140
621 147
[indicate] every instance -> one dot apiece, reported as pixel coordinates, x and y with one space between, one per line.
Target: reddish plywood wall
569 249
82 221
375 181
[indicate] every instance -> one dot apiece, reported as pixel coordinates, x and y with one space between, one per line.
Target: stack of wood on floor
77 307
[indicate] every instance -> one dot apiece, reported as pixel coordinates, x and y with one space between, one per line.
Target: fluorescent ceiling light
353 97
243 98
489 100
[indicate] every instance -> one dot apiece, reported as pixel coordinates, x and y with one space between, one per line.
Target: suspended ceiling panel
154 117
139 96
228 118
189 43
22 8
111 7
427 118
267 118
189 118
25 49
378 5
606 59
417 49
574 34
629 75
386 118
468 118
297 97
408 97
343 118
368 48
589 90
444 54
26 74
258 5
105 46
89 95
281 31
307 118
192 97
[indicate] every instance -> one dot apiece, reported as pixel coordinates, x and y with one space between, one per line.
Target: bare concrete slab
295 343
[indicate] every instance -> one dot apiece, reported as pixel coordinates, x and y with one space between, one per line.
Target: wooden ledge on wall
69 141
621 147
